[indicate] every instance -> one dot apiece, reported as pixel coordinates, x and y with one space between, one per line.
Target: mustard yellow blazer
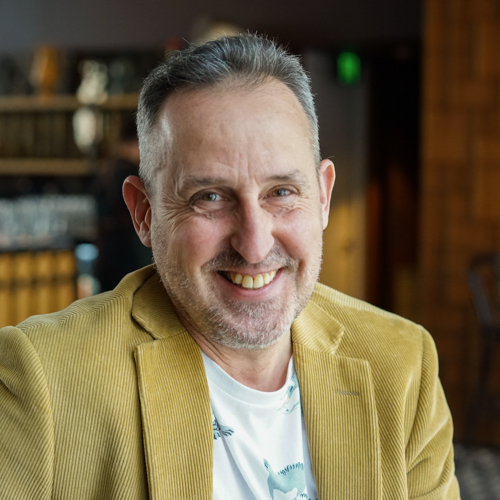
108 399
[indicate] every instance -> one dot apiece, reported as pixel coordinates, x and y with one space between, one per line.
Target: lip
238 292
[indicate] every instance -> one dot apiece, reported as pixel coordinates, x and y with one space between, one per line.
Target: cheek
300 233
194 242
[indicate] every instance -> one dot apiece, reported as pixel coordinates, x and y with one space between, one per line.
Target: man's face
238 212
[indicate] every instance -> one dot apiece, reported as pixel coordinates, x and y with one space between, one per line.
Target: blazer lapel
175 402
339 410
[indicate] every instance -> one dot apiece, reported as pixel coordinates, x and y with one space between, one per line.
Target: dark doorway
393 179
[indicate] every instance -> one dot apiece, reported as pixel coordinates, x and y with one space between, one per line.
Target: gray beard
234 324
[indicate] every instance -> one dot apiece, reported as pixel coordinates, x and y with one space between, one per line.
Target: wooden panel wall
460 209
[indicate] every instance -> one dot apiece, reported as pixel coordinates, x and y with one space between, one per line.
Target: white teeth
247 282
236 278
250 282
258 281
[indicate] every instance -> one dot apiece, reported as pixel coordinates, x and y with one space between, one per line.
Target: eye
210 202
280 200
280 193
210 197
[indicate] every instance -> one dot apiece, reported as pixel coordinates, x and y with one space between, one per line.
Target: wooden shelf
125 101
25 104
45 166
17 112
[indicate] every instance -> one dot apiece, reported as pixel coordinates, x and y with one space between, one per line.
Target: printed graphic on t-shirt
291 397
287 484
258 425
220 430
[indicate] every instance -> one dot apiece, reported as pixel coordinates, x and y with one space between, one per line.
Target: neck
260 369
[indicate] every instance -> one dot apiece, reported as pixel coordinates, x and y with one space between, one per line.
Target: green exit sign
348 68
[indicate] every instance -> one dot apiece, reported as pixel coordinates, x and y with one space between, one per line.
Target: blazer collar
153 310
339 408
175 402
309 331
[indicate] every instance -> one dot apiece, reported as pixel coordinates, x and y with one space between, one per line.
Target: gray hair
246 60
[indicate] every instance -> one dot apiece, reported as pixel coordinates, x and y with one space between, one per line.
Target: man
225 371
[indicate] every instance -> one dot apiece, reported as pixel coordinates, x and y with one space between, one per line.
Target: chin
249 333
250 326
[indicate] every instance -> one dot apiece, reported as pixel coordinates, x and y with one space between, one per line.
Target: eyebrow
196 182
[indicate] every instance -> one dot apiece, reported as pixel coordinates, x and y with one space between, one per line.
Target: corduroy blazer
108 399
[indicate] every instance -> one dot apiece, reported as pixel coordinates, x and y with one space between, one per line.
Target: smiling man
225 371
235 220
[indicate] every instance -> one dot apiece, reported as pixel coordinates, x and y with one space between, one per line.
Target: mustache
229 257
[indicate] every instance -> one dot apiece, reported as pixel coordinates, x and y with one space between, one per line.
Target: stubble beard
231 323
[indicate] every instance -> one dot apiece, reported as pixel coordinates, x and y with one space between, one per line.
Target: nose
252 235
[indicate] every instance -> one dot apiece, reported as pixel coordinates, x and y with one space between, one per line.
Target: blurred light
348 68
87 283
86 252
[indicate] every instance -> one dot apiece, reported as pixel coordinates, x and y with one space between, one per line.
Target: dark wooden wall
460 203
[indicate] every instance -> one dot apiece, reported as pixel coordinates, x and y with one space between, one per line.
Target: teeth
247 282
256 282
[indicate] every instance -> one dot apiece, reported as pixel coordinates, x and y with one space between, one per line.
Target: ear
326 175
139 206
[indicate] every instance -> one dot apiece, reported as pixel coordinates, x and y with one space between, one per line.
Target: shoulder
372 333
401 354
92 322
350 307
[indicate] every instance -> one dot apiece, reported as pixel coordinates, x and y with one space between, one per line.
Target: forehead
236 127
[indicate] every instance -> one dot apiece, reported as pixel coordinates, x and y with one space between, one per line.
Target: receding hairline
233 83
244 61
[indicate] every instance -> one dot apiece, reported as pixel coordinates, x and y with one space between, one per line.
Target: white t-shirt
260 441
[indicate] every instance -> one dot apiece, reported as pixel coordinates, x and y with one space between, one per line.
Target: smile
249 282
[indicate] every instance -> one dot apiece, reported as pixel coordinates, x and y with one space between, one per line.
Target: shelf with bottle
47 253
47 221
37 134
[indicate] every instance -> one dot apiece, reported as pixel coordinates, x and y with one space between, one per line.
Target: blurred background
408 97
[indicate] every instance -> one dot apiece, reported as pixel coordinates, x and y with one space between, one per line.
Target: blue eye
281 192
210 197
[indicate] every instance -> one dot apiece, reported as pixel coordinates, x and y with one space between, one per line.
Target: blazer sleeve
429 453
26 422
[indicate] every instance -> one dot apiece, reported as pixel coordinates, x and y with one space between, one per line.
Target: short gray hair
246 59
